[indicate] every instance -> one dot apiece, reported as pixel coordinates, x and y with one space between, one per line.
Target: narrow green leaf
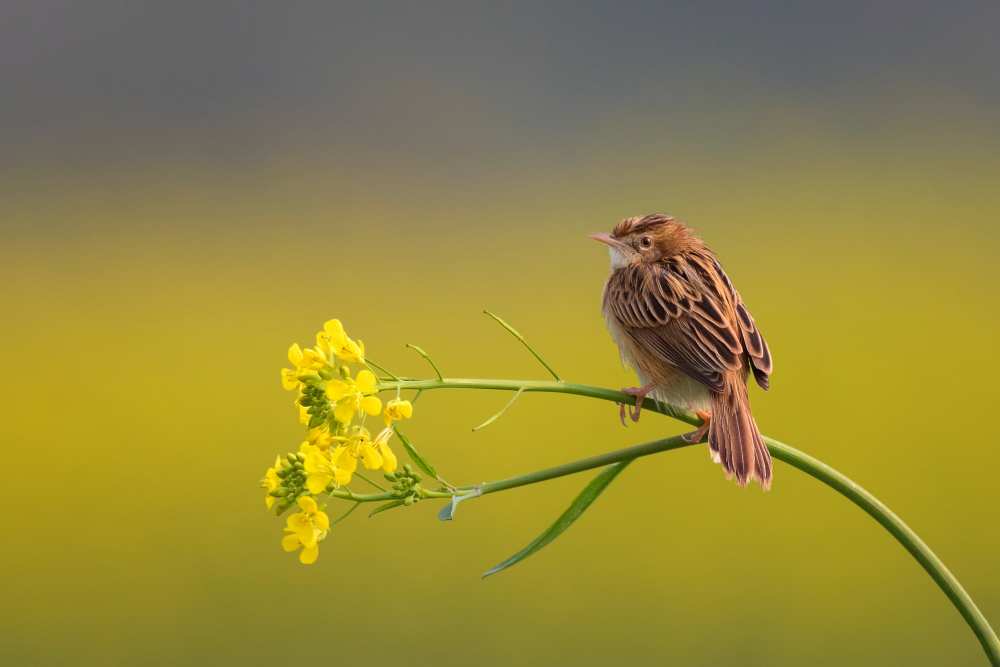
572 513
415 455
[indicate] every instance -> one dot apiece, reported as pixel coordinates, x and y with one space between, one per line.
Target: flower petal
366 382
370 457
289 379
309 555
295 355
344 410
338 389
290 543
389 461
298 522
317 482
346 460
322 522
307 504
372 405
335 330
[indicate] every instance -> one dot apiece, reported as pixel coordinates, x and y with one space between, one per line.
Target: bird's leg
640 396
698 434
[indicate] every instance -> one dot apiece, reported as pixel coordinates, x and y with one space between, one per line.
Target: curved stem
836 480
888 519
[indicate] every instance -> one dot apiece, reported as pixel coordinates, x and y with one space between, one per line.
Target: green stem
836 480
369 362
589 463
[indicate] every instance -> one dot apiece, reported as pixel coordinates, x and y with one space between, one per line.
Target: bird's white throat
618 258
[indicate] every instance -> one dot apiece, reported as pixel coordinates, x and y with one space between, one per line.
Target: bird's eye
645 243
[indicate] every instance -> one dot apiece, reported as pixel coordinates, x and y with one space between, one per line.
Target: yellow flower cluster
333 402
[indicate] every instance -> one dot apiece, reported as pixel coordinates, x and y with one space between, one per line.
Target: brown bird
680 323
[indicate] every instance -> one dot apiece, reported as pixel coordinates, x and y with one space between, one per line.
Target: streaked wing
686 312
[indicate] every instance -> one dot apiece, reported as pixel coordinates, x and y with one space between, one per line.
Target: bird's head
646 239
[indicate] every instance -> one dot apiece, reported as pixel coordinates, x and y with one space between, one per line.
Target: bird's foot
699 433
640 396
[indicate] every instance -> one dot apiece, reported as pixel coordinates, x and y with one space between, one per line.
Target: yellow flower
302 362
320 436
271 482
334 341
389 461
345 460
370 456
396 410
306 529
374 455
354 395
321 469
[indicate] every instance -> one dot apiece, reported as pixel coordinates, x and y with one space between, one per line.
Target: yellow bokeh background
142 350
157 261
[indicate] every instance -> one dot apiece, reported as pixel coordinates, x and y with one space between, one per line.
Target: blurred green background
187 189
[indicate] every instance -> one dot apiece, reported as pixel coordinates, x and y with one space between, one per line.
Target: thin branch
420 351
371 363
376 485
497 416
345 514
514 332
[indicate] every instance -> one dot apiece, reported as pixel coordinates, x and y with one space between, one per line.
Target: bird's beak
607 239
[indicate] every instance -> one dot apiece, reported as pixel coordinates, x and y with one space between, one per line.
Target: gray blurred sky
230 80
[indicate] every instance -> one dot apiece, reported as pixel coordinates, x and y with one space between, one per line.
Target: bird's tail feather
734 439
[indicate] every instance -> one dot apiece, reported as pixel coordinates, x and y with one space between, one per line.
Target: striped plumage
683 327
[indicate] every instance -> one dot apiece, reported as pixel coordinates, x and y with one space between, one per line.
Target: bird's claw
697 435
640 396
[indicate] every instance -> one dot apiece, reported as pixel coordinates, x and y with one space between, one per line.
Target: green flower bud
326 372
